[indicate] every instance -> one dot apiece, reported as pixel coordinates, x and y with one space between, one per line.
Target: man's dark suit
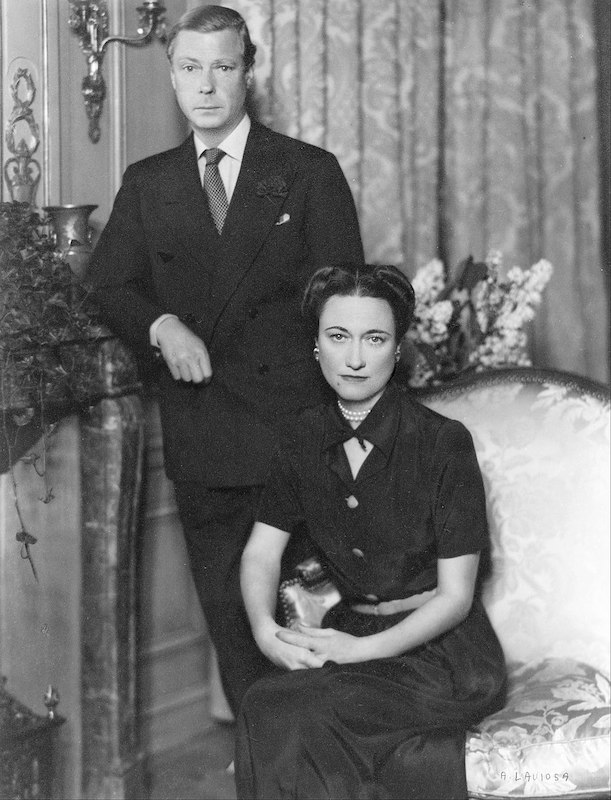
240 292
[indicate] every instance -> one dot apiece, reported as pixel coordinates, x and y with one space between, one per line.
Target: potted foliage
42 312
54 355
53 350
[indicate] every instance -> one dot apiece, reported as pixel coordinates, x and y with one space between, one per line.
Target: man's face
208 76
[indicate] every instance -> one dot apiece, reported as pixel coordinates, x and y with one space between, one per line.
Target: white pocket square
284 218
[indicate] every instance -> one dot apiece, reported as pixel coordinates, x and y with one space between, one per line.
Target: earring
397 354
316 352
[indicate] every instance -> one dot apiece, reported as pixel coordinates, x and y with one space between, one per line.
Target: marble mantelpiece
104 395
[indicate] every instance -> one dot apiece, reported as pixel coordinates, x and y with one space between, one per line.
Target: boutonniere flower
274 186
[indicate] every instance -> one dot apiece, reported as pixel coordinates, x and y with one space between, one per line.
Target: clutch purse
306 598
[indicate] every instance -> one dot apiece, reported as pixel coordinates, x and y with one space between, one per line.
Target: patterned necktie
213 185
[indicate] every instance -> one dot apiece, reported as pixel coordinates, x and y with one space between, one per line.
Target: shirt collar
233 145
379 427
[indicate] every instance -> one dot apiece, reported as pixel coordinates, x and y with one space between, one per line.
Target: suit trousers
217 523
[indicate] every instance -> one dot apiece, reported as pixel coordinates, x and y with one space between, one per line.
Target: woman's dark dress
393 727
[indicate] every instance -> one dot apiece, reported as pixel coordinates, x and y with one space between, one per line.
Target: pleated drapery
462 126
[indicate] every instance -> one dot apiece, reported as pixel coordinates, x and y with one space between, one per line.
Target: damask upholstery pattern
462 126
542 440
544 454
550 740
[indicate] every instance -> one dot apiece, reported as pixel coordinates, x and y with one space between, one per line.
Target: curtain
462 126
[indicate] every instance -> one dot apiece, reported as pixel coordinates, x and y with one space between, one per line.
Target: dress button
263 369
358 553
351 501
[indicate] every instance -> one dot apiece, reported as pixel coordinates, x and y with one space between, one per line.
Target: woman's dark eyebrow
367 333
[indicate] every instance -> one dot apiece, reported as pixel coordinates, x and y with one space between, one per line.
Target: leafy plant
42 311
39 303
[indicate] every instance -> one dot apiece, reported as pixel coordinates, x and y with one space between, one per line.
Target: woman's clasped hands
324 644
307 648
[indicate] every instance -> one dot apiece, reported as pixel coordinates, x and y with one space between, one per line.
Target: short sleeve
460 521
280 504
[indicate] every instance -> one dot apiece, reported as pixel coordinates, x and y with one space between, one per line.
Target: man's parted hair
360 280
208 19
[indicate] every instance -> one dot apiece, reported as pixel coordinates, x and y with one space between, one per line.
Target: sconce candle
89 20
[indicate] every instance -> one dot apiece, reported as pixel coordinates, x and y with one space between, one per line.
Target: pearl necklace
352 416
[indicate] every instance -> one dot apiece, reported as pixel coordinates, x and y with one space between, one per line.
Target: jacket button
351 501
358 553
263 369
253 312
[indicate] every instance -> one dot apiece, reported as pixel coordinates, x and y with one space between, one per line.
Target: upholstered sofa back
542 440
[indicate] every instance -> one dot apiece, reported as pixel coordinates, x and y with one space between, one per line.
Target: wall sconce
89 20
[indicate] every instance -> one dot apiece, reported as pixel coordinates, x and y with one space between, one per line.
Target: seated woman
391 494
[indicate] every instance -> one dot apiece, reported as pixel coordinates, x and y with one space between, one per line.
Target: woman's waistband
387 607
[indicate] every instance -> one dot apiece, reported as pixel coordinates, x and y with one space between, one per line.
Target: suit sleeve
119 274
332 226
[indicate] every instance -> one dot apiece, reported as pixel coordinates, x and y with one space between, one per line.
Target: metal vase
70 225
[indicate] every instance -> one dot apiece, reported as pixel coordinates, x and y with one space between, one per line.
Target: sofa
542 440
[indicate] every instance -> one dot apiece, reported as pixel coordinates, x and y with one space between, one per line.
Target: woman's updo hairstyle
361 280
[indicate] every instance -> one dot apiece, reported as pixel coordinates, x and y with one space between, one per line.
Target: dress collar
379 427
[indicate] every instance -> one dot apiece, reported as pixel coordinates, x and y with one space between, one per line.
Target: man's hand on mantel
184 352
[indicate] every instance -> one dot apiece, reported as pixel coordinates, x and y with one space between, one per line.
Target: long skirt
389 728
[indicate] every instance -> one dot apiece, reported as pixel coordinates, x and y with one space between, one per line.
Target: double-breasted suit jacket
291 212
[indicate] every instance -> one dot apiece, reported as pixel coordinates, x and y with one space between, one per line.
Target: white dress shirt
233 146
229 168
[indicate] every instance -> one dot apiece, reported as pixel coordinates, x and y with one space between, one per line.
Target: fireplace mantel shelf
84 373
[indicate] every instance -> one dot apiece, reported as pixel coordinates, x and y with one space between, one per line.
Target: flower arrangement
474 320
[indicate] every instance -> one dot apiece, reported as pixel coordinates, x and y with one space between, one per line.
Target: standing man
204 260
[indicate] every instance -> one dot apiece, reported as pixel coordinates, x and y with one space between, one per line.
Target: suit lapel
186 206
259 195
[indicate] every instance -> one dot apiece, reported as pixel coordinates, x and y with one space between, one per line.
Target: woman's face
357 344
